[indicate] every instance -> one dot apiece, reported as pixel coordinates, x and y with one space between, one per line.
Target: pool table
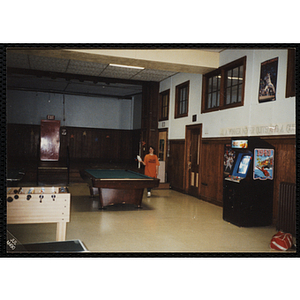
118 186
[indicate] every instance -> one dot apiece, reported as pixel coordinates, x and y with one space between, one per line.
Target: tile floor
169 222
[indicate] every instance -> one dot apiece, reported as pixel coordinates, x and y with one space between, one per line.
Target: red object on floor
281 241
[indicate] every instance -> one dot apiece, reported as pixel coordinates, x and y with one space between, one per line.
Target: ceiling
33 71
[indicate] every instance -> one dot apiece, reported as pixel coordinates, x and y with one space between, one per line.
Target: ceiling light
125 66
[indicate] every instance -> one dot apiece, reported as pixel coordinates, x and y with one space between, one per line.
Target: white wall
177 126
78 111
254 118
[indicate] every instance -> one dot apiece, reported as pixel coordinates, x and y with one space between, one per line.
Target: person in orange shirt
151 164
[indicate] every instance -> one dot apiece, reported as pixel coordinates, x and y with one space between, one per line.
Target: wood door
50 140
193 145
212 168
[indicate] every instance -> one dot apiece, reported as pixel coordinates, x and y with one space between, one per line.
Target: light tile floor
169 222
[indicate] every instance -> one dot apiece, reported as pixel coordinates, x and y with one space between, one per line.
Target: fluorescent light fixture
229 77
125 66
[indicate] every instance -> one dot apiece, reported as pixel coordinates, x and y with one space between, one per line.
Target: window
182 100
213 91
224 87
234 85
164 105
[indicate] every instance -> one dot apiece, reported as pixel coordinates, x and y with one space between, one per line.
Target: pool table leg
125 196
101 206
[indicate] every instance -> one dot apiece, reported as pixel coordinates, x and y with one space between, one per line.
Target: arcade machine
248 182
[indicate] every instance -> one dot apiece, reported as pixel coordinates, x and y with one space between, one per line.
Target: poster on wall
263 168
268 80
229 158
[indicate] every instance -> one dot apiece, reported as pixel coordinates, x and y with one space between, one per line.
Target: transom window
224 87
182 100
164 105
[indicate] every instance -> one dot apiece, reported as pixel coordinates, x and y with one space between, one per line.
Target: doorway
162 154
193 159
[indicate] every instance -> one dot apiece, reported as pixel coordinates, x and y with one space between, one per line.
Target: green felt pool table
118 186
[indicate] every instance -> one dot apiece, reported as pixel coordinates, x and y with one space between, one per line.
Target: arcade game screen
242 165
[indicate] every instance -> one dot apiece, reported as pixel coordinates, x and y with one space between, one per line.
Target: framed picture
268 80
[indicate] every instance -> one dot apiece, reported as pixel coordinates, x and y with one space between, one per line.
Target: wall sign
259 130
268 80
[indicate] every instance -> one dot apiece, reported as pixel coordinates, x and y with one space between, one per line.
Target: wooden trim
216 140
267 137
177 141
188 129
161 95
167 146
290 76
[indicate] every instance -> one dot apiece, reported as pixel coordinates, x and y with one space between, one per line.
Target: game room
82 123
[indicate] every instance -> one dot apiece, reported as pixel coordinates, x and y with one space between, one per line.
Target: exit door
193 144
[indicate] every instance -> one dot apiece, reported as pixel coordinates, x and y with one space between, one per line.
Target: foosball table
30 205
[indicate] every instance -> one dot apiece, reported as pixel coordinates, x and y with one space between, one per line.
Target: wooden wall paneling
136 138
95 143
91 147
176 165
113 145
63 144
105 151
88 143
34 141
79 143
284 166
72 141
103 145
22 141
12 138
85 139
125 146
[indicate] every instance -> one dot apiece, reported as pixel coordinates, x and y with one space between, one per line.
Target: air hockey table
118 186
